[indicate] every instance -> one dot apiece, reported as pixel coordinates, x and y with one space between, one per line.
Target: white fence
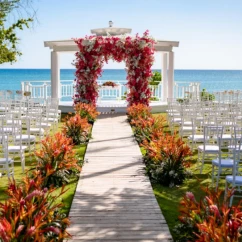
42 89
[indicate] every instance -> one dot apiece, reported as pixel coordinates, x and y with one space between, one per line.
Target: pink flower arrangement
93 51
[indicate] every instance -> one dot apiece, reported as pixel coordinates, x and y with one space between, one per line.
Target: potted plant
154 82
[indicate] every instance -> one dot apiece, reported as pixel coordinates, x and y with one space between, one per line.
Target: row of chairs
14 95
211 128
22 124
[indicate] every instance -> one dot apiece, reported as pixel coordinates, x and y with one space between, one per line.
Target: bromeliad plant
56 160
32 213
76 128
86 110
166 159
211 219
165 154
137 111
145 128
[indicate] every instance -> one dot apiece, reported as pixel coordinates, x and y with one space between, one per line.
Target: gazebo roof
71 46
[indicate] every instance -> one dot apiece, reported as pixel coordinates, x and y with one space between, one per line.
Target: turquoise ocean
211 80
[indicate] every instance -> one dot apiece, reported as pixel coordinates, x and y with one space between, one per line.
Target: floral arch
138 54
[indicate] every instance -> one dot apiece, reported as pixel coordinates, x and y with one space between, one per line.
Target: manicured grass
66 198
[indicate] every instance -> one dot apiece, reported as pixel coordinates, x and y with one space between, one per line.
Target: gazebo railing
184 89
42 89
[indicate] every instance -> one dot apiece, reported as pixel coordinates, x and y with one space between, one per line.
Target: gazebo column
164 77
55 75
171 75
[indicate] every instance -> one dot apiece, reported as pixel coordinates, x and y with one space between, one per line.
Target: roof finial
110 24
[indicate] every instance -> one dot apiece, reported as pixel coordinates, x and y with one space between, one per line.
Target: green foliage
156 78
182 100
154 99
206 96
8 35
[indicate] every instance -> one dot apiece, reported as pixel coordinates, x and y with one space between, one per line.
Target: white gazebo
64 46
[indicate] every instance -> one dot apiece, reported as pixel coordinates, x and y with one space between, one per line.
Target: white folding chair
6 163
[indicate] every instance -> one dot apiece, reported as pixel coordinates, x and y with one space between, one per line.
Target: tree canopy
8 35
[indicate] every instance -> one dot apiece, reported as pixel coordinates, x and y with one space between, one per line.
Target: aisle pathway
114 200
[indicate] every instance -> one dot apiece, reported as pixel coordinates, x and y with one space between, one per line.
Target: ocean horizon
211 80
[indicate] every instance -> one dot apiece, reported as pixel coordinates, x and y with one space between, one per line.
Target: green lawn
71 187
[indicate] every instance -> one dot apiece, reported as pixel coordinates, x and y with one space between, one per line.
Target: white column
171 75
55 75
164 77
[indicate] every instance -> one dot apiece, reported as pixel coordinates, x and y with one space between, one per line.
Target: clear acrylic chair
210 145
17 148
234 181
224 161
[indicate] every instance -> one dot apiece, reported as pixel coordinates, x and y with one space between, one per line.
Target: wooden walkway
114 200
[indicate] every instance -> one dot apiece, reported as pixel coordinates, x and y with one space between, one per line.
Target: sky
209 31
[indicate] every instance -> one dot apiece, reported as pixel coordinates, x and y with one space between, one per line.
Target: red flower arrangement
109 84
93 51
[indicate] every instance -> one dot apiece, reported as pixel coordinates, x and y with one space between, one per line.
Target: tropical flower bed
166 156
210 219
33 210
137 52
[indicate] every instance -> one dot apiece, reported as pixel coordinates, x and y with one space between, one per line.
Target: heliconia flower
190 196
22 202
32 183
31 230
52 229
12 187
213 208
210 202
233 225
56 153
35 193
19 229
